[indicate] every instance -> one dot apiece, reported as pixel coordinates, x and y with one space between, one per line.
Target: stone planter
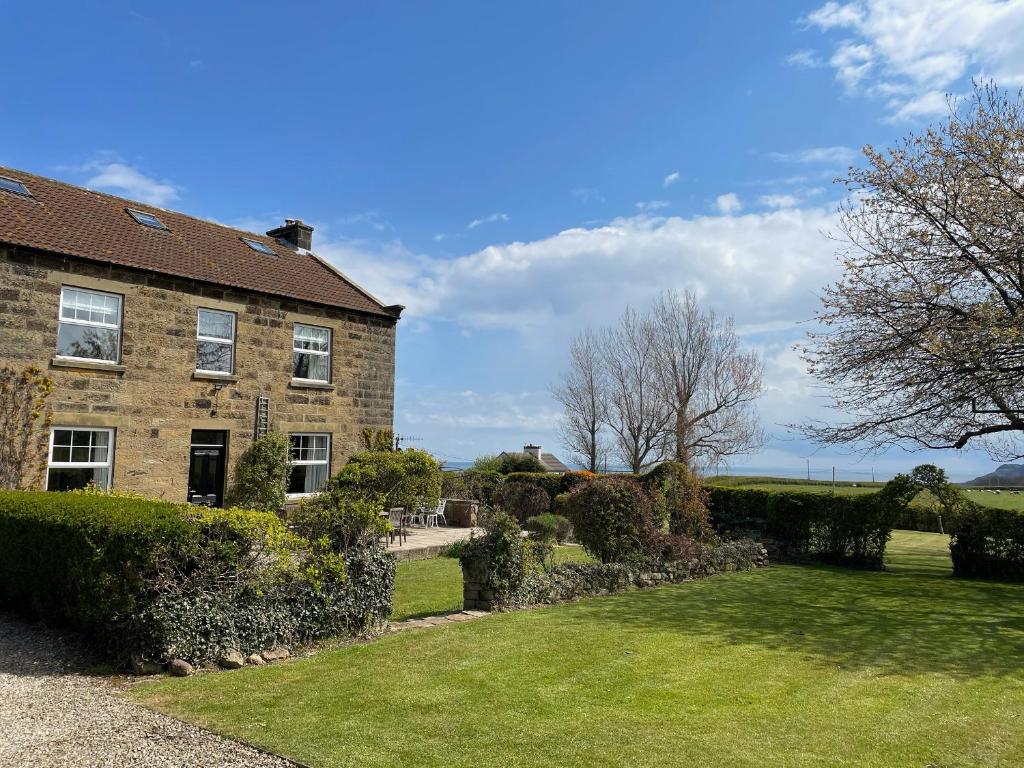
461 513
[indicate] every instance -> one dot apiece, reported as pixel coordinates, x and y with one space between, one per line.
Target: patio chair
396 516
437 515
417 517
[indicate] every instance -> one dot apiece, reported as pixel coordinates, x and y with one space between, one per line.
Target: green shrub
988 543
522 500
845 530
509 462
551 528
613 518
680 500
163 580
339 519
261 474
406 478
505 556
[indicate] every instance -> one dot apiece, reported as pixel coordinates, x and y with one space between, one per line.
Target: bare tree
923 341
709 385
582 393
637 414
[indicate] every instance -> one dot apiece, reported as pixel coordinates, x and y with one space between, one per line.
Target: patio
422 543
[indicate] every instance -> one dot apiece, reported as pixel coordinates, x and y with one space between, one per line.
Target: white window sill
214 376
310 384
88 365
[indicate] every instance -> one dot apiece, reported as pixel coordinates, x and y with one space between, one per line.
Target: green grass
785 666
431 587
1002 500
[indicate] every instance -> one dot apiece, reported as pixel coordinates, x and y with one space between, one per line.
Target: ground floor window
79 456
311 458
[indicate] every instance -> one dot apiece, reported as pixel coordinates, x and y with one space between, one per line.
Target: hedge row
845 530
160 580
988 543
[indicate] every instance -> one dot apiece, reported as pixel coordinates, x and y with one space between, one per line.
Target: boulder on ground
231 660
254 659
275 654
180 668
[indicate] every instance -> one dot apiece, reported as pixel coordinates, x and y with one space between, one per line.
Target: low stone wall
571 581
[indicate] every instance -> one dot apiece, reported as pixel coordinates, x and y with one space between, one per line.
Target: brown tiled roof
550 462
73 221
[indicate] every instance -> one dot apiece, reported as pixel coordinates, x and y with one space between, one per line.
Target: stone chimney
532 450
296 232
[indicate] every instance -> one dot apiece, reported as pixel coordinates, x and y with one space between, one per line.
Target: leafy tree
24 427
923 341
406 478
261 474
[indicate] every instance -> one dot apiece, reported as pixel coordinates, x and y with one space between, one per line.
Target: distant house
550 462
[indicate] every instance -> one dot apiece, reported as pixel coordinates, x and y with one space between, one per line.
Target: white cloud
671 179
805 58
651 205
125 180
778 201
489 219
728 203
817 155
912 51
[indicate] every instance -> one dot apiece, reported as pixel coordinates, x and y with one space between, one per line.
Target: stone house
173 341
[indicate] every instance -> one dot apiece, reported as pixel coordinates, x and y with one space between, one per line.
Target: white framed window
215 341
311 353
90 325
79 456
311 463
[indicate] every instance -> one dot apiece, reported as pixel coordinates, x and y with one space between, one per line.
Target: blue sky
512 174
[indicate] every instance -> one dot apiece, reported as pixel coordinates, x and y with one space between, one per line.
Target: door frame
221 482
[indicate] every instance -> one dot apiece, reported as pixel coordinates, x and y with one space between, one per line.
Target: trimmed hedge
844 530
161 580
988 543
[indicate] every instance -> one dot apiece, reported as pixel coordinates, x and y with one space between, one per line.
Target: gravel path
52 715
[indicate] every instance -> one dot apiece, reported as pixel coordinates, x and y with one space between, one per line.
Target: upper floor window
311 359
90 325
215 341
311 456
79 456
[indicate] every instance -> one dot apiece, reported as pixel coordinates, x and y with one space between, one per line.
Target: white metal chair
437 515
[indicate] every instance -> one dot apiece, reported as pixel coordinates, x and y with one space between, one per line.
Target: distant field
1001 500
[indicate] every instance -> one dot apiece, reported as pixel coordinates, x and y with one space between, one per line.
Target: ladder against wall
262 416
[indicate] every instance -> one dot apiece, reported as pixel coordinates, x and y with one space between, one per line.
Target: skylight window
15 186
256 245
146 219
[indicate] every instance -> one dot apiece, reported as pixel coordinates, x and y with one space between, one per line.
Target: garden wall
571 581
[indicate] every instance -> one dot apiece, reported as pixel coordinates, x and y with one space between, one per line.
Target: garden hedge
988 543
844 530
161 580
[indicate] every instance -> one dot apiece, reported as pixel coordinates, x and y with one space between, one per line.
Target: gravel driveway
52 715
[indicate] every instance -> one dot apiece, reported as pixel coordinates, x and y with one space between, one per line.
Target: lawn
430 587
786 666
1001 500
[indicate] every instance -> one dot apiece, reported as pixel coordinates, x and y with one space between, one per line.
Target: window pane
213 356
89 307
215 324
308 478
316 339
62 436
87 342
72 479
307 366
61 454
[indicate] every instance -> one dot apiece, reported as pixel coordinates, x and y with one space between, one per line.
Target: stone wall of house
155 399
